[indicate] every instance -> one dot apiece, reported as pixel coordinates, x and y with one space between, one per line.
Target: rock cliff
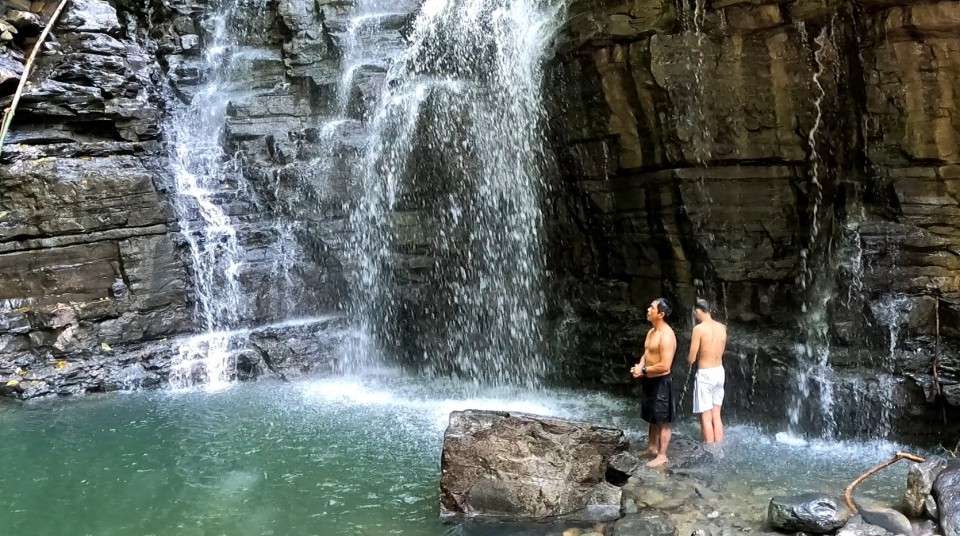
89 264
794 162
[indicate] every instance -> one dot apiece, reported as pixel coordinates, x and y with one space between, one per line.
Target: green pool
356 456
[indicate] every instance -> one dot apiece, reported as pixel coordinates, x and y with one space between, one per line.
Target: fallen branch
848 493
8 113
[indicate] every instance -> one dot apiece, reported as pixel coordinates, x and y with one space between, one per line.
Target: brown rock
514 465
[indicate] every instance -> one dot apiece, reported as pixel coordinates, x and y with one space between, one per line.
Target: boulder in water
856 526
515 466
810 512
946 490
920 479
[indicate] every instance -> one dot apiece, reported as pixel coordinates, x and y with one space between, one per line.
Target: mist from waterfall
461 114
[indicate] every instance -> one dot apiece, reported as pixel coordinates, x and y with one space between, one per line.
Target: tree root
8 113
848 493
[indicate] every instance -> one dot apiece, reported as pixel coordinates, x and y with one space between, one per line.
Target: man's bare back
709 340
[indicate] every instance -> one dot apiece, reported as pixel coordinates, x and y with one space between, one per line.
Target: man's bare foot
658 461
649 452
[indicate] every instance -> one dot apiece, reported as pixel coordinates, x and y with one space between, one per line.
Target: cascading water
701 130
813 375
464 103
890 311
853 245
207 180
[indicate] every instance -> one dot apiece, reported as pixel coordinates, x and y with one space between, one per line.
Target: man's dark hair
663 306
703 305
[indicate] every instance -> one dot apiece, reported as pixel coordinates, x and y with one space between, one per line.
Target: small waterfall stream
813 381
208 183
890 311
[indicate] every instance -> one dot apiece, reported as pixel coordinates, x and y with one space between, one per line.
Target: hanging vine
8 113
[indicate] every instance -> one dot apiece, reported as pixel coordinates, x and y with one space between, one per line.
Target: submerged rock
856 526
810 512
646 523
514 465
885 517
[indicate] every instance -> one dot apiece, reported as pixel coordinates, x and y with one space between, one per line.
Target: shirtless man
706 349
657 407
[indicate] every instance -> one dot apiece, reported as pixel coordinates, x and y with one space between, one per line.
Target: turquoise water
345 456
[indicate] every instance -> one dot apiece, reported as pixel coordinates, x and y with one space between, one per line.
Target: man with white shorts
706 350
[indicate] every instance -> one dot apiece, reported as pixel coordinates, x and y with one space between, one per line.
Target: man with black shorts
657 407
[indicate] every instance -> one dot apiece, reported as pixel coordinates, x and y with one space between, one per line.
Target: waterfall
702 137
455 156
208 182
890 311
813 380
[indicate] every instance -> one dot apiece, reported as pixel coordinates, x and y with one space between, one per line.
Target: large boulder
514 465
946 490
808 512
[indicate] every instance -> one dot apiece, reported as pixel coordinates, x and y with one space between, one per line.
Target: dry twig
8 113
848 493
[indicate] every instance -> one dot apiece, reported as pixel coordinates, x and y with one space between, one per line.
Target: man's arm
668 347
694 346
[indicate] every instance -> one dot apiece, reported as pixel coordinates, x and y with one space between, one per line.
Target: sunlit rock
920 479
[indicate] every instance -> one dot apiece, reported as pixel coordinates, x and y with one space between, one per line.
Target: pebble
713 515
6 36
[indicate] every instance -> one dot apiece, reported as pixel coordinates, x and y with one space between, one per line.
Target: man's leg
665 434
653 440
717 423
706 425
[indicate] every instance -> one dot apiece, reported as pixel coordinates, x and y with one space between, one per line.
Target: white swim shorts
708 390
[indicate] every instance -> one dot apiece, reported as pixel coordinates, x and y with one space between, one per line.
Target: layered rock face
795 163
96 281
89 267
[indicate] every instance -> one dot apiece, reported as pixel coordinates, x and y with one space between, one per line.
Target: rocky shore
535 475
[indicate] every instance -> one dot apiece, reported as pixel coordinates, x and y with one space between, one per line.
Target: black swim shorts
657 406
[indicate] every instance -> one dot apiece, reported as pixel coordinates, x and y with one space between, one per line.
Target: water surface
356 456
